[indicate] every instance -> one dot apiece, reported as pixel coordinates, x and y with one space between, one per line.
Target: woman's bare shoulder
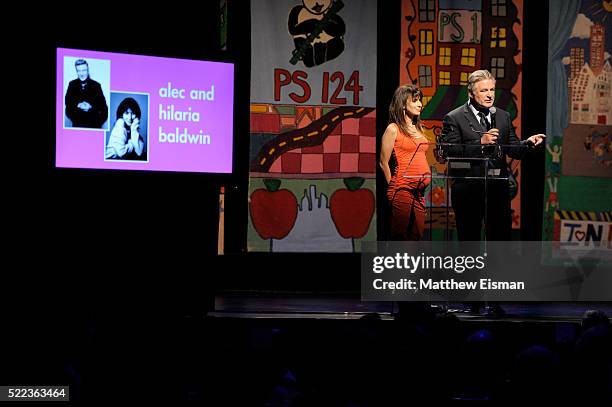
392 128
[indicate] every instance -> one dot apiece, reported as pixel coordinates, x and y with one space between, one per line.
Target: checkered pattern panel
350 148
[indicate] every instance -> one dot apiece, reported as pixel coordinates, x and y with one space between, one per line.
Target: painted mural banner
312 171
442 42
578 187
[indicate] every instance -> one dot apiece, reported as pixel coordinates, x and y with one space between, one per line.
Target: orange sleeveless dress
407 186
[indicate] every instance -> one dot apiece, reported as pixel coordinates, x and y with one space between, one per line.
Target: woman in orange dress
405 142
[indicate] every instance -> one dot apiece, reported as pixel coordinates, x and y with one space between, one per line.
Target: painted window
444 78
498 67
498 37
426 42
498 8
427 10
468 56
425 76
445 56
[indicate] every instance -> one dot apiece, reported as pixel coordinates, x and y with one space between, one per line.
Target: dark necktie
484 122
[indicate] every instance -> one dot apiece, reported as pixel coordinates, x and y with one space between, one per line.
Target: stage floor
340 305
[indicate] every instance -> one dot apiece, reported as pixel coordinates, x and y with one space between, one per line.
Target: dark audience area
370 361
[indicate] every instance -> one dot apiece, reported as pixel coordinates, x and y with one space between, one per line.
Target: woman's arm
117 147
136 144
386 149
135 140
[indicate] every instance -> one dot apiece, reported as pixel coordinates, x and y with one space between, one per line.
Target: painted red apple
273 210
352 209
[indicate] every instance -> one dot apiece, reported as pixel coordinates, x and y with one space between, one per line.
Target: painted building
597 45
499 42
426 47
591 96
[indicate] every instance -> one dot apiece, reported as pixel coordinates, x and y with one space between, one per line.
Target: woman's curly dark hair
128 103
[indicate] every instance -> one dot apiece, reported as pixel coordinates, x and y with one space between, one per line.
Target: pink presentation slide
134 112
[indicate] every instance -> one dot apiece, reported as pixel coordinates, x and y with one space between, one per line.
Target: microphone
489 150
493 110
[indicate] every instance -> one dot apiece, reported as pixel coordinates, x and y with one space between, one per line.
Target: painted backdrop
443 41
578 188
312 125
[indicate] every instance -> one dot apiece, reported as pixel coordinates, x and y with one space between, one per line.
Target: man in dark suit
486 132
85 102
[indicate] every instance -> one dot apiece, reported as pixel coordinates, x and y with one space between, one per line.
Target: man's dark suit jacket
459 127
91 92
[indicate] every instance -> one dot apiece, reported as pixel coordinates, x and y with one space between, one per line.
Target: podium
464 162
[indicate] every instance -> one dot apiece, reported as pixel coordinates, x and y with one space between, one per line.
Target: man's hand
489 137
84 106
536 139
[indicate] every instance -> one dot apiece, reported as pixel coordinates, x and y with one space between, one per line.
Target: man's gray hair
477 76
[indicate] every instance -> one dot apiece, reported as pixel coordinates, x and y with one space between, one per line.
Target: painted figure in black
317 31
